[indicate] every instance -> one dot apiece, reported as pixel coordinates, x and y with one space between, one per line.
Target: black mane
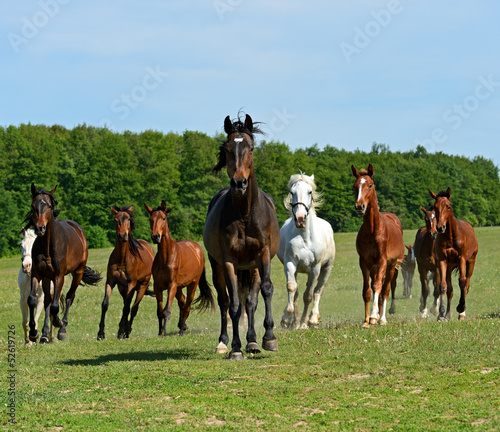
53 202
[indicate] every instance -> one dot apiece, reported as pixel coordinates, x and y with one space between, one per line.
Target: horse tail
91 277
205 299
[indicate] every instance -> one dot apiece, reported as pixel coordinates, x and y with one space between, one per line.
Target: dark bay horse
241 236
129 267
60 248
425 255
380 247
456 247
177 264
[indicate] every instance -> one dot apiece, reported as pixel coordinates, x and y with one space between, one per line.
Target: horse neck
123 249
452 229
371 217
245 203
166 245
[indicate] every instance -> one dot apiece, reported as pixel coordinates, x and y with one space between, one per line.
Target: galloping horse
129 267
306 246
456 247
408 270
24 283
176 265
380 247
60 248
425 255
241 236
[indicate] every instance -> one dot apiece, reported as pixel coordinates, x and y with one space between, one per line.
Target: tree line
96 168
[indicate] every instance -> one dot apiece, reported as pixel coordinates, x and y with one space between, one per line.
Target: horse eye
369 187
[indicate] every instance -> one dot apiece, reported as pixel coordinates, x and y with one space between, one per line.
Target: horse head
158 221
364 188
124 222
302 198
430 221
26 244
443 209
236 153
42 207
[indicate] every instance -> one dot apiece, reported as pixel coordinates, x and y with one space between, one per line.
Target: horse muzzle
40 230
441 229
156 238
123 237
360 209
239 186
433 235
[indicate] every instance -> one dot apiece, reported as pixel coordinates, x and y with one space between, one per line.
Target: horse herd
241 236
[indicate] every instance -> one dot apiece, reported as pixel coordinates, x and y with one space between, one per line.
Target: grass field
411 375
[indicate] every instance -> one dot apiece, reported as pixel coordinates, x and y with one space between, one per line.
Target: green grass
413 374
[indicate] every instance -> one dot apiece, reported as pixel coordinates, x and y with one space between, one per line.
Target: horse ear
448 193
433 195
371 171
131 208
312 177
53 191
149 209
114 211
33 189
355 172
424 210
249 123
163 205
228 125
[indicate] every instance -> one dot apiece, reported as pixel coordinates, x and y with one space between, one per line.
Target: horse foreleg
47 301
55 297
32 303
234 309
159 309
127 293
251 302
135 308
390 283
223 302
315 317
435 293
307 297
167 310
377 285
366 293
425 291
394 283
290 317
468 268
104 308
269 341
186 310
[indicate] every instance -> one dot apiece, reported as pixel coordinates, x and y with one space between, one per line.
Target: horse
176 265
425 240
456 247
129 267
380 247
59 249
241 236
306 246
24 283
408 270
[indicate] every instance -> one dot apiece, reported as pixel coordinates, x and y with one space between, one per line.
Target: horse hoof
34 336
253 348
366 325
235 355
62 335
100 336
392 310
221 348
461 317
44 340
373 321
270 345
56 322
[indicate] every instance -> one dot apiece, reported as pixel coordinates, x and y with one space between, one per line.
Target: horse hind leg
394 282
315 317
464 288
290 319
104 308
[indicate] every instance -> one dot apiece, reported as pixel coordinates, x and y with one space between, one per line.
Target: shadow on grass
147 356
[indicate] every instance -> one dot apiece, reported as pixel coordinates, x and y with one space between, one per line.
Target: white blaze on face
301 192
361 183
238 140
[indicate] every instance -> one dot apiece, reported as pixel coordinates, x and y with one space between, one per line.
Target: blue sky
346 74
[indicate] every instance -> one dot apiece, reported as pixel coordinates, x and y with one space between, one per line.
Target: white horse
306 246
24 282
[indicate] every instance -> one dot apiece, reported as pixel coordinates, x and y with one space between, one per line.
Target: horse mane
237 126
316 195
443 194
53 203
133 243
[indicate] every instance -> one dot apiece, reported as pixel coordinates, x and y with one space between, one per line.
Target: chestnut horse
380 248
60 248
456 247
129 267
425 240
241 236
176 265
